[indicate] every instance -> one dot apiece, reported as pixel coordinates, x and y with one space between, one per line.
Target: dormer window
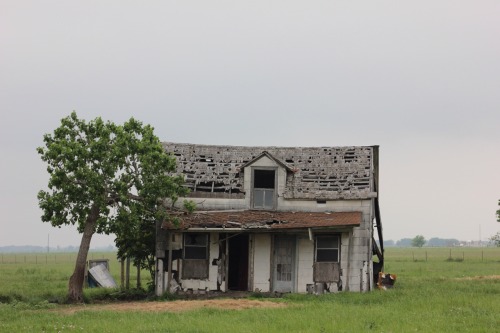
264 188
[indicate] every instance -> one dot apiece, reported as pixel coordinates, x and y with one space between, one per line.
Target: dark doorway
238 262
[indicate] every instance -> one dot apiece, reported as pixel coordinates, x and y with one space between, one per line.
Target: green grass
432 294
36 278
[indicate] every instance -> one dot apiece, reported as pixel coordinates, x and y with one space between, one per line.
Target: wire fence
392 253
49 258
456 254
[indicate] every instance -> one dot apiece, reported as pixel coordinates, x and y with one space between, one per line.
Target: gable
265 159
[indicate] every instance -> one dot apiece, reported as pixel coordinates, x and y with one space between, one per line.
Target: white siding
305 261
262 262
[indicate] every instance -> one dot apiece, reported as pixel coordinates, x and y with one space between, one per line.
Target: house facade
273 219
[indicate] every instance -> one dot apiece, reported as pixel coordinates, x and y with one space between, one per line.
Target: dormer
264 181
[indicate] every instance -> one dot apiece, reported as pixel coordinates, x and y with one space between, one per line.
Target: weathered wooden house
274 219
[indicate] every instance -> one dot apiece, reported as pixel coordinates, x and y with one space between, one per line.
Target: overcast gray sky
419 78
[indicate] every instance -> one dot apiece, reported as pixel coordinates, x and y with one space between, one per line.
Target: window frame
264 190
206 245
331 248
195 268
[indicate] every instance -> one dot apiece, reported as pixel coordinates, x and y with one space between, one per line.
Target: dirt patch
173 306
481 277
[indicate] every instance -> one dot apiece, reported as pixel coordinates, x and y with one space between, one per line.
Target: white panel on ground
102 276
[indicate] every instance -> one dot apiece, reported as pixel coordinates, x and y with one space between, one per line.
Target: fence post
425 255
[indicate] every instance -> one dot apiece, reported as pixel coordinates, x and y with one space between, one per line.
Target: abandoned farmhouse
274 219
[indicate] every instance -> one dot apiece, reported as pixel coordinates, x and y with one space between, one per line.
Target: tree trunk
75 287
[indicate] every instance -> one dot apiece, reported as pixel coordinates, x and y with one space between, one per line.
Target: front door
284 263
238 262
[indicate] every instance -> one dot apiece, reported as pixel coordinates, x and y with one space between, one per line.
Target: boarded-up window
326 265
195 255
326 272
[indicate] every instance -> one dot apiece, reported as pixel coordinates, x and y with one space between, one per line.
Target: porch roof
252 219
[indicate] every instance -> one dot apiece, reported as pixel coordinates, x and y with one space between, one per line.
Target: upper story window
264 188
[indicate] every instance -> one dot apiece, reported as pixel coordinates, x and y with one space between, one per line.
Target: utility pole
480 245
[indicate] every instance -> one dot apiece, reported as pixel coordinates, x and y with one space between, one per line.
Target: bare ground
172 306
481 277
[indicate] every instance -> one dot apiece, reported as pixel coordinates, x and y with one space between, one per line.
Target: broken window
263 189
195 255
327 248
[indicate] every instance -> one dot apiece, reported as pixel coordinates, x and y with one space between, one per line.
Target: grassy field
437 290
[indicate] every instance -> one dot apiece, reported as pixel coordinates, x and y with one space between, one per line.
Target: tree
136 238
496 239
103 176
404 242
498 212
418 241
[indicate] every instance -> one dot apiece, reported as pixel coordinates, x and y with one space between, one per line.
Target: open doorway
238 262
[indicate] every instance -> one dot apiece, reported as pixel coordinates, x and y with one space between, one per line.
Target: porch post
169 262
159 277
349 257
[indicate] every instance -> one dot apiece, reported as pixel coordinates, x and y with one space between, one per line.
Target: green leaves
418 241
498 212
123 169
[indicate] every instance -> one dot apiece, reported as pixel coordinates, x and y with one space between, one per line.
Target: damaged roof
312 172
251 219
